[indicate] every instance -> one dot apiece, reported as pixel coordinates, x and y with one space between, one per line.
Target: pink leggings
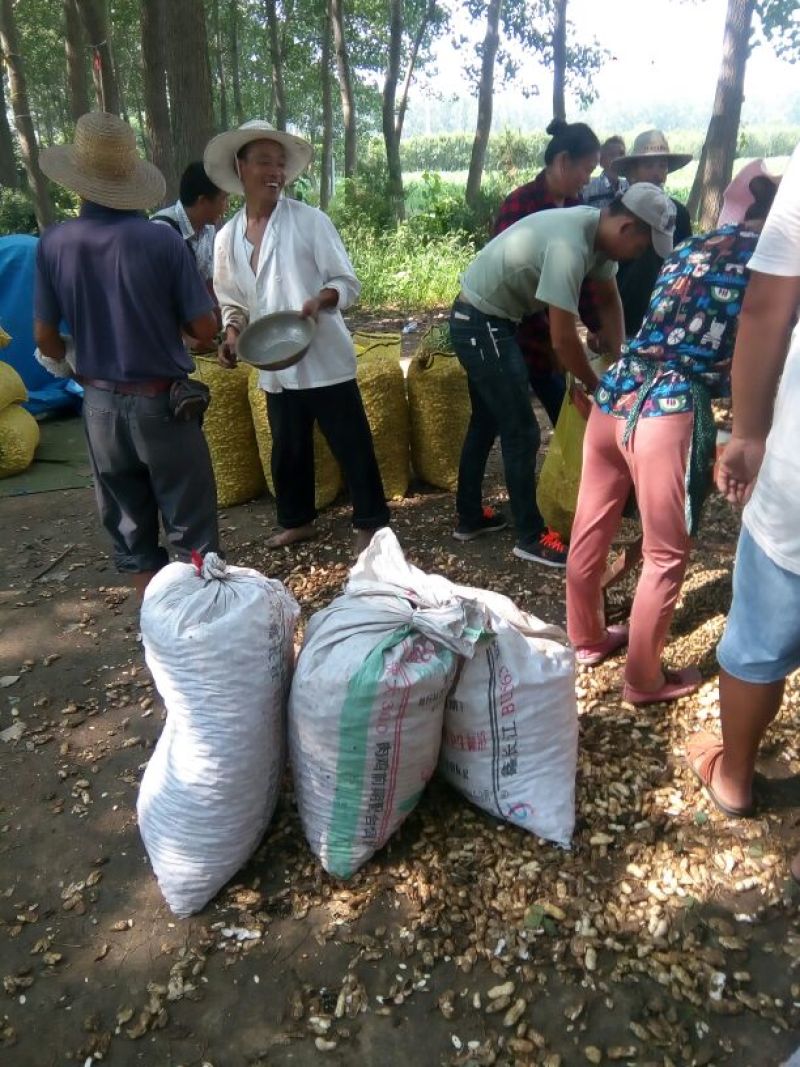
654 463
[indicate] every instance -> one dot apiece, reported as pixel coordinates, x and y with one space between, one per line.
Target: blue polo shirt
124 288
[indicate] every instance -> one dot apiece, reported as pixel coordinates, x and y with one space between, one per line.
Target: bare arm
765 324
48 340
325 300
612 320
204 328
568 347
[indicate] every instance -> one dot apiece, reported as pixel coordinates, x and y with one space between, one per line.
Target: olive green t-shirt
540 260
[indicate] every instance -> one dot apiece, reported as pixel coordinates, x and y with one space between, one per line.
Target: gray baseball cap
651 204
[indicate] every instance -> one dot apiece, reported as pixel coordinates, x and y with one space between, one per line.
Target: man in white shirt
278 254
196 215
600 191
761 467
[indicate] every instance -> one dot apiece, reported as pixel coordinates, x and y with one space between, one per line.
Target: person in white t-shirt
761 468
278 254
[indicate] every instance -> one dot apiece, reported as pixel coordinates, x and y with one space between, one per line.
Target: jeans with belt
497 377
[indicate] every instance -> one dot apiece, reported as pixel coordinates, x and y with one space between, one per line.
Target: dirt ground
666 936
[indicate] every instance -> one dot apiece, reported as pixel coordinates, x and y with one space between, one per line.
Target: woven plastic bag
560 476
327 476
383 390
510 742
19 436
439 411
12 387
378 344
229 431
367 702
219 644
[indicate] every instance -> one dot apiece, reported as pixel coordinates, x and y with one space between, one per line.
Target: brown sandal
702 752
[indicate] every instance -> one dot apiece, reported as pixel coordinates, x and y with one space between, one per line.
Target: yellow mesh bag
328 479
378 344
560 476
19 436
439 411
12 387
383 391
228 427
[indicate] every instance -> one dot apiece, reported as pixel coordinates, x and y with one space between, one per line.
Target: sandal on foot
590 655
676 684
702 753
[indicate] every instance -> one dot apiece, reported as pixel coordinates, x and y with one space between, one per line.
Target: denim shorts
761 643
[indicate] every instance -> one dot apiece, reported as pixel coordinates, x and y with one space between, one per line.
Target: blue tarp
17 264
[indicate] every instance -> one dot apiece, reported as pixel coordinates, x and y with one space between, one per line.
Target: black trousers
339 411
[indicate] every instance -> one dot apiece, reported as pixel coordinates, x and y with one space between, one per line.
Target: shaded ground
666 936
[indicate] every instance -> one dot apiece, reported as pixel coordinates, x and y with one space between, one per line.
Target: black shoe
491 522
547 549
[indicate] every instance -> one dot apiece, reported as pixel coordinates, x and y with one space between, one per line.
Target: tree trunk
154 87
75 47
491 42
223 91
235 77
9 43
719 150
559 58
325 183
391 139
345 87
8 163
412 60
188 80
276 59
95 20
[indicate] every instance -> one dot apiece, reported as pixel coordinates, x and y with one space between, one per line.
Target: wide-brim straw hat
102 165
739 196
219 158
650 144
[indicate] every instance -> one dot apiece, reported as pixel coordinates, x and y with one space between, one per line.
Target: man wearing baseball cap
650 161
277 254
539 262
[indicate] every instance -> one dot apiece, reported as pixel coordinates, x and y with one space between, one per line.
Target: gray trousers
147 464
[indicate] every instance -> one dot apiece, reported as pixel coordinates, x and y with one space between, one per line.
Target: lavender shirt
124 288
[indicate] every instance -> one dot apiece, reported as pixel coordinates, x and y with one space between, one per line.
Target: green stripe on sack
354 727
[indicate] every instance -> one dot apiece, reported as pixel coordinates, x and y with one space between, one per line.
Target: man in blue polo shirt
126 289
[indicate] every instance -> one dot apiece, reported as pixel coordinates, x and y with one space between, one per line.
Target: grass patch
400 271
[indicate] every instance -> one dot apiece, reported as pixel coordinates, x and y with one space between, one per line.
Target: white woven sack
367 700
219 644
510 741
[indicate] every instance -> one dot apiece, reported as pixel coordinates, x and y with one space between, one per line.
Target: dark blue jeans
498 387
551 389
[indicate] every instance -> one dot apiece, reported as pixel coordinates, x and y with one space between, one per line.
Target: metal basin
276 341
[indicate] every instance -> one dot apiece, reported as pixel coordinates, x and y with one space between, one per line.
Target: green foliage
399 271
16 212
507 151
436 208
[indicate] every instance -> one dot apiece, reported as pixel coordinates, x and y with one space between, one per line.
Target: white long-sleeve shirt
301 253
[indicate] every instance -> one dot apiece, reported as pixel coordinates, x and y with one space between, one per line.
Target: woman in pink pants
652 429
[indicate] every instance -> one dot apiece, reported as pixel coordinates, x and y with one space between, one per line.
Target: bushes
17 214
507 151
399 270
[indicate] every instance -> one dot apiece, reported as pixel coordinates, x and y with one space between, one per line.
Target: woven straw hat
219 158
102 165
647 145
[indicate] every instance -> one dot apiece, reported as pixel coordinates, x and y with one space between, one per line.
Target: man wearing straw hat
277 254
650 161
126 289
